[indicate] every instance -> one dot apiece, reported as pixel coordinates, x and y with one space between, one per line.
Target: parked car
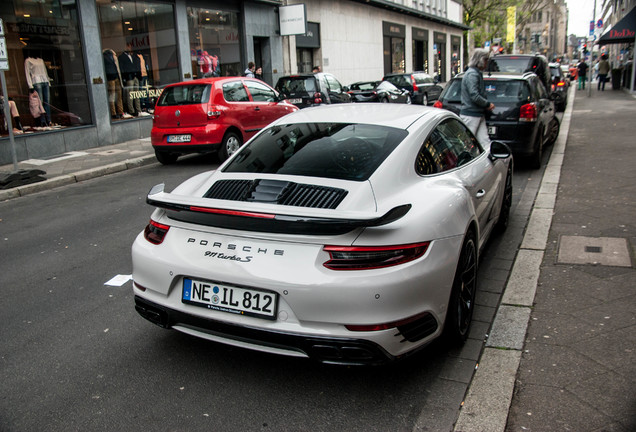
422 87
559 86
212 114
524 116
349 234
378 91
521 63
312 89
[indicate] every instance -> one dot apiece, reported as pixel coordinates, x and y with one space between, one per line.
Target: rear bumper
330 350
203 138
519 136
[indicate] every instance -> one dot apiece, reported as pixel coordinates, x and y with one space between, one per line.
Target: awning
623 32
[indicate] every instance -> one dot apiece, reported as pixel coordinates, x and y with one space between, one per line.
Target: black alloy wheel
506 203
555 127
462 299
166 158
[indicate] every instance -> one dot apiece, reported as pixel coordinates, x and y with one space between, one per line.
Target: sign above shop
293 20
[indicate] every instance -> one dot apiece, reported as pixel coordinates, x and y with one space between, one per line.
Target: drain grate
607 251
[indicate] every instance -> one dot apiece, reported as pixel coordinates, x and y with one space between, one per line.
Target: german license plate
179 138
296 100
241 301
492 130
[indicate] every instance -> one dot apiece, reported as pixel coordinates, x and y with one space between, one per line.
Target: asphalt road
74 354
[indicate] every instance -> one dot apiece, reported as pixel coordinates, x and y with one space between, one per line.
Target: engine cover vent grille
277 192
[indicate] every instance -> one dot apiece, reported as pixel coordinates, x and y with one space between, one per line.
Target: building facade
86 73
545 31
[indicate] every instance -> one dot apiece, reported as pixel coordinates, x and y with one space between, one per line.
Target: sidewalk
561 354
76 166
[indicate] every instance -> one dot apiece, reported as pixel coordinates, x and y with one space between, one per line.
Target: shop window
214 43
140 54
46 80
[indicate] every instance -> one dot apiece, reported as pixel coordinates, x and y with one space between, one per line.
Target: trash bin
616 78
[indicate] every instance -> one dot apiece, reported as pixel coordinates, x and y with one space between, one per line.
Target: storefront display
46 80
214 43
139 52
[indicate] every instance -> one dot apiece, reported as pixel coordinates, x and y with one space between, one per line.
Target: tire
535 159
462 299
166 158
230 144
408 100
506 203
425 99
384 100
555 127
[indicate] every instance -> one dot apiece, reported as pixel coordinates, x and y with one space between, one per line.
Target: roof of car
212 80
501 75
393 115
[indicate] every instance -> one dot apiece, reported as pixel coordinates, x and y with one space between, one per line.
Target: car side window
260 92
235 92
449 146
333 84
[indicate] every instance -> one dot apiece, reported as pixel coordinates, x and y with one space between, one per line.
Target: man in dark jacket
474 101
582 70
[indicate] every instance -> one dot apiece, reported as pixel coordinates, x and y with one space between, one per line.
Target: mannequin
143 85
130 68
113 83
38 79
36 108
15 115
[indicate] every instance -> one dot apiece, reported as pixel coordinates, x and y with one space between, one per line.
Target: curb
77 177
487 402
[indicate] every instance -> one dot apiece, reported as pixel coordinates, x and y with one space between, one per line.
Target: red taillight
372 257
155 232
528 112
317 98
213 112
561 84
414 85
383 326
438 104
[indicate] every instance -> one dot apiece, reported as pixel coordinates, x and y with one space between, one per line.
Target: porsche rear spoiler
178 209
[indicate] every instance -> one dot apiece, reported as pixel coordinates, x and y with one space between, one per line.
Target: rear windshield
555 71
185 95
510 64
293 85
364 85
498 91
342 151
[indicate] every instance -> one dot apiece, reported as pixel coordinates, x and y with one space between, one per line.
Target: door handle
480 193
257 108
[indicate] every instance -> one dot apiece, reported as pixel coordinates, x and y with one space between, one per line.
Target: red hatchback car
213 114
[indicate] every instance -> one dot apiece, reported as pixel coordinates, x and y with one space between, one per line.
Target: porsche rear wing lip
265 221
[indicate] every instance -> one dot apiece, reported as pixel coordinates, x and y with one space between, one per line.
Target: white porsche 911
349 234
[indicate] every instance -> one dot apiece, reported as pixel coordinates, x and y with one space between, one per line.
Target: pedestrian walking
603 70
249 72
473 96
582 71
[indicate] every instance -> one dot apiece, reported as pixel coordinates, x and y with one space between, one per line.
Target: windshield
185 95
509 64
294 85
342 151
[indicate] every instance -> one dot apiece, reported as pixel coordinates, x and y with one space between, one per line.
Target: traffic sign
599 23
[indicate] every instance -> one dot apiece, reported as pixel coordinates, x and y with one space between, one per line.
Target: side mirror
499 150
345 89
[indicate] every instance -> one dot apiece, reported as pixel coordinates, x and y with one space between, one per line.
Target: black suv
559 86
422 87
312 89
524 116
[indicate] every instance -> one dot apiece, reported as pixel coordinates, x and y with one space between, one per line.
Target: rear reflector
372 257
383 326
438 104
